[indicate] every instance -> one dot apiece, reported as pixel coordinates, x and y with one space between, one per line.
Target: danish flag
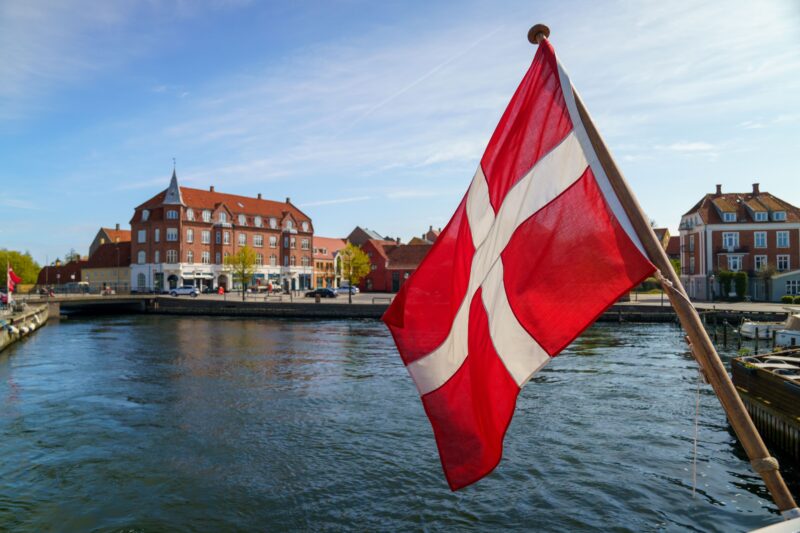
11 279
537 249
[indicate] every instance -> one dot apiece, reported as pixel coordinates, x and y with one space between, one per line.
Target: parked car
188 290
323 293
351 289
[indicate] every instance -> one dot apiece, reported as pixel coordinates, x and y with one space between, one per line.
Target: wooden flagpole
702 348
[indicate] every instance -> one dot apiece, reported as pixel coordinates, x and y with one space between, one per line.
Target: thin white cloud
685 146
336 201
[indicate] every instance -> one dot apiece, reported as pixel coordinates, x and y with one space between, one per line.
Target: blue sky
371 113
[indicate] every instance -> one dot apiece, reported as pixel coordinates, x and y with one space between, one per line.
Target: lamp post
711 286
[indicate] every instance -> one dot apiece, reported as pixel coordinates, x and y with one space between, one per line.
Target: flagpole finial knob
538 33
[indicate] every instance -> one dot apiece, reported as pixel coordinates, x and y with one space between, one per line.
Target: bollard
317 298
725 333
755 351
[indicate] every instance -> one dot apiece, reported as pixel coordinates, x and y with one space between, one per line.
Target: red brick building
325 255
64 276
737 232
391 264
183 235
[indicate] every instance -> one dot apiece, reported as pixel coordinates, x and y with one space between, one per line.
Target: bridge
88 303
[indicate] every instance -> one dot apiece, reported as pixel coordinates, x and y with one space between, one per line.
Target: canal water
143 423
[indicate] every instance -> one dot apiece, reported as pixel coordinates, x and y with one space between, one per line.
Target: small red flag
538 248
13 279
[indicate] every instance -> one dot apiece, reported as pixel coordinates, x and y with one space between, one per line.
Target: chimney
440 230
430 228
288 201
398 240
719 188
211 189
259 196
755 189
117 226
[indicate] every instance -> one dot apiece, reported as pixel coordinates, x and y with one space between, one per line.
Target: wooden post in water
725 334
702 349
755 351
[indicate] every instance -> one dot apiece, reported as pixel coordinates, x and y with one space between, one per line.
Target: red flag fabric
537 249
13 279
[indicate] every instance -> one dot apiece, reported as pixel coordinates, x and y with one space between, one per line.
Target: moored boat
763 330
789 335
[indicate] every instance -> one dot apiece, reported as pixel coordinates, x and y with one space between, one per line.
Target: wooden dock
20 324
769 385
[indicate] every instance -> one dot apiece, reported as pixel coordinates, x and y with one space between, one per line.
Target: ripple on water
166 423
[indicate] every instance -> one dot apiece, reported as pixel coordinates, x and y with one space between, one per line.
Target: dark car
323 293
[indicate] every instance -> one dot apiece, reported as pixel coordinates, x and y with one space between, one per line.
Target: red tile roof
204 199
118 235
407 256
738 202
329 244
111 255
674 247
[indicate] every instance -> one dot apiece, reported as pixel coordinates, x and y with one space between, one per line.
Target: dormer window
172 214
760 216
305 226
779 215
729 217
206 215
288 224
190 214
257 222
145 215
273 223
223 217
242 220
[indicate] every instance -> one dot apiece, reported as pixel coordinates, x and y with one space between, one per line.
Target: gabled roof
206 199
407 256
111 255
117 235
329 244
674 247
743 204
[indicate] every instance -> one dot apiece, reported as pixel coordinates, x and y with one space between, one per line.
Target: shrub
787 299
797 299
725 278
740 283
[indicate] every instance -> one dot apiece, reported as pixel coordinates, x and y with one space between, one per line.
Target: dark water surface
192 424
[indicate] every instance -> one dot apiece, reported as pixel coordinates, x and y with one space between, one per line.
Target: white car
189 290
343 290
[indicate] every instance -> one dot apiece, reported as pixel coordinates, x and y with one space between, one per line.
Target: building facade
109 235
752 232
108 268
326 255
183 236
391 264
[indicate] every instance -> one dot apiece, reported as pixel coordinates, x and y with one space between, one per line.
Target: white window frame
759 262
206 215
172 214
157 256
226 237
273 241
222 217
190 257
691 265
304 244
761 216
172 234
782 236
190 214
141 257
734 263
189 235
259 259
729 217
258 241
205 237
205 257
145 215
218 258
760 239
273 260
172 256
729 237
783 258
157 235
242 239
141 236
779 216
258 222
793 287
242 220
691 243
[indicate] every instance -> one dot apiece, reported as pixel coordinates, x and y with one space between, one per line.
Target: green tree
355 266
676 265
23 264
242 265
740 283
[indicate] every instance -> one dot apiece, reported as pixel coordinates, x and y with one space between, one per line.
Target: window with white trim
273 241
219 237
258 240
217 258
783 263
273 223
189 235
273 260
205 237
205 258
206 215
226 237
304 244
259 259
293 242
242 220
286 260
242 239
190 257
729 217
141 236
222 217
691 265
760 238
141 257
730 240
141 281
190 214
157 235
293 261
782 239
145 215
156 257
761 216
760 262
735 263
286 242
172 214
172 256
691 243
257 222
779 215
172 234
304 261
793 287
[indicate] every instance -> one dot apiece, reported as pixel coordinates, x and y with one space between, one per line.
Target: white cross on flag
538 248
